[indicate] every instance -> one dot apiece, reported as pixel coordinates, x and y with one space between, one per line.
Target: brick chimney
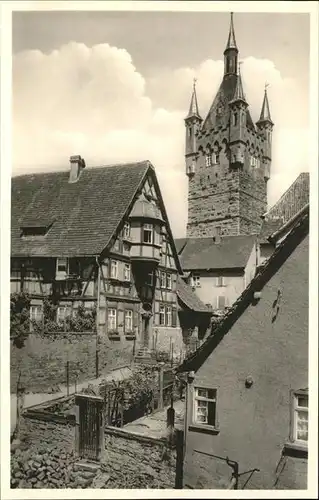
77 164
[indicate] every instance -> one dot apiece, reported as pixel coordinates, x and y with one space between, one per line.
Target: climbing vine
19 318
20 325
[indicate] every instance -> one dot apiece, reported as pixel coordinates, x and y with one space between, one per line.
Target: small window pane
302 401
202 392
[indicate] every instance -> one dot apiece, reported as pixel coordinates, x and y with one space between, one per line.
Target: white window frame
112 319
208 160
199 402
163 279
35 314
126 230
60 318
168 316
162 315
66 265
148 229
297 409
220 281
168 281
127 272
128 320
114 269
195 281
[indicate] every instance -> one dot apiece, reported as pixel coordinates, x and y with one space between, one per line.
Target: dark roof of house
83 215
268 227
265 273
231 252
189 298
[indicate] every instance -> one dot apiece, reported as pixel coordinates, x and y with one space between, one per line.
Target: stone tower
228 158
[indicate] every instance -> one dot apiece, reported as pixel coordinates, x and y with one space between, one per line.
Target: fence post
122 407
97 356
160 384
109 407
67 379
134 347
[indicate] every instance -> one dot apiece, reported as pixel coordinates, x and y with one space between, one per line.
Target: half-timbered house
98 237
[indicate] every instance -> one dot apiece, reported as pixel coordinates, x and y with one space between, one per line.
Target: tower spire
231 42
193 108
265 111
239 91
231 51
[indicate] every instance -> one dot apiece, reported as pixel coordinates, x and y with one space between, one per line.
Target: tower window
147 233
235 119
208 160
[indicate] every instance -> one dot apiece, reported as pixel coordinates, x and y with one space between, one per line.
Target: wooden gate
89 426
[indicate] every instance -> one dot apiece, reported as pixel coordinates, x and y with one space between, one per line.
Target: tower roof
193 107
231 42
265 111
239 91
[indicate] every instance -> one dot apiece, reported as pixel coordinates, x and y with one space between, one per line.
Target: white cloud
94 102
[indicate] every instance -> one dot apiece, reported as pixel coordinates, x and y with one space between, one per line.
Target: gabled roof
189 298
272 265
84 215
231 252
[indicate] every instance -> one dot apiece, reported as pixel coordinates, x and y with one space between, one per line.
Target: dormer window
35 231
148 233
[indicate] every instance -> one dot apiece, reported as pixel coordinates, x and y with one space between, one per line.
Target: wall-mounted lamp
190 377
249 381
257 295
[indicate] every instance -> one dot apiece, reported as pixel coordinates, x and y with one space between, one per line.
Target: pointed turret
193 107
231 42
192 123
265 126
265 111
231 51
239 95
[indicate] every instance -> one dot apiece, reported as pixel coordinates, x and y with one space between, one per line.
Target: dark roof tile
84 215
189 298
232 252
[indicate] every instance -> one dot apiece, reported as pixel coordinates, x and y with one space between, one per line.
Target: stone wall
135 461
43 360
45 458
233 199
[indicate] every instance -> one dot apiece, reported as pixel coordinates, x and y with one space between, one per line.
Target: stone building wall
45 458
43 359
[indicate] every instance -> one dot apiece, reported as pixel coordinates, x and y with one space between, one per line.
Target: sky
115 87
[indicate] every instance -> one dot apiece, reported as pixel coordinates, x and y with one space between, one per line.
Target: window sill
206 429
294 449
